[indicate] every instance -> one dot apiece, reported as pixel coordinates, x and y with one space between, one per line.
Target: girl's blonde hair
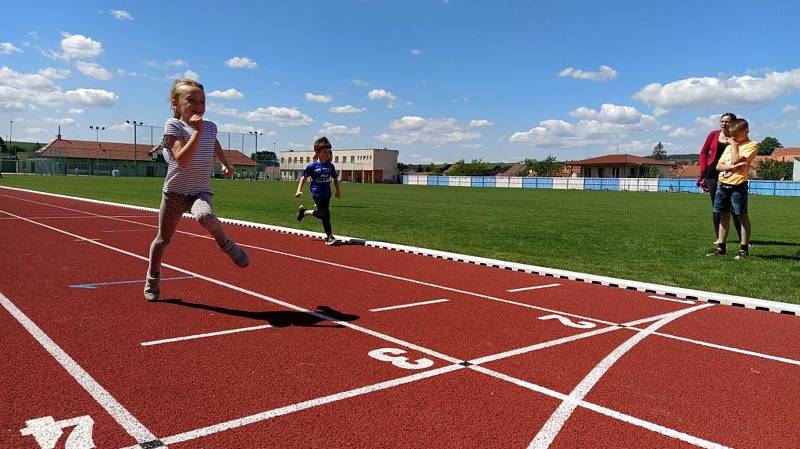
173 93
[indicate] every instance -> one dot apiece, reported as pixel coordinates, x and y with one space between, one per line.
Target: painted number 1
394 356
47 431
567 322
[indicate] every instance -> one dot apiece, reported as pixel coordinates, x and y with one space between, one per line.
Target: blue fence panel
761 187
432 180
534 182
610 184
787 188
405 179
668 185
476 181
689 185
592 184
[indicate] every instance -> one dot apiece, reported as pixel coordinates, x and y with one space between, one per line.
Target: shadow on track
277 318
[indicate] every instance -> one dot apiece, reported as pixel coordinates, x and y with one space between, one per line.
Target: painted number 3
394 356
47 431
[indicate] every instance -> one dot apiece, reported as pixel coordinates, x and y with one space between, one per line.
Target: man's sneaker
301 212
331 241
715 252
236 253
152 291
742 254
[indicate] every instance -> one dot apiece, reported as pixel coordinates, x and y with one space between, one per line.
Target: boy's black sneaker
301 212
742 254
331 241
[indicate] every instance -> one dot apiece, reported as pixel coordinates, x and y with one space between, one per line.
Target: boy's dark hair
322 144
739 124
728 114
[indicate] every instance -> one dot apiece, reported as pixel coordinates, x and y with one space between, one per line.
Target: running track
359 347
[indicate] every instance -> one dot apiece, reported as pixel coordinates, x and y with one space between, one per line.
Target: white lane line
729 348
135 281
121 415
82 240
413 281
125 230
245 291
402 306
209 334
666 431
232 424
60 217
553 426
535 287
684 301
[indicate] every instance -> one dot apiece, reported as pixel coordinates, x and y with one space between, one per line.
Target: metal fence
757 187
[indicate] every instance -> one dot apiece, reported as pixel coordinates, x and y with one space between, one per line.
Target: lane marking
125 230
137 281
235 423
535 287
553 426
208 334
80 240
684 301
415 304
121 415
390 276
59 217
666 431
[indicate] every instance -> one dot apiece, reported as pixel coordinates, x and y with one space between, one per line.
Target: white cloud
228 94
25 91
380 94
93 70
709 122
175 63
682 133
185 75
611 126
7 48
419 130
238 62
121 127
347 109
360 83
789 108
121 14
52 73
745 90
76 111
318 98
237 128
416 158
78 46
604 74
60 121
610 113
416 52
480 123
281 116
35 131
330 129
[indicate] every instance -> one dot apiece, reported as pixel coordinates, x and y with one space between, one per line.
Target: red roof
786 154
88 149
620 159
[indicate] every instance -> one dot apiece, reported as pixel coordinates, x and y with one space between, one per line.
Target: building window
600 172
352 159
336 159
615 172
282 162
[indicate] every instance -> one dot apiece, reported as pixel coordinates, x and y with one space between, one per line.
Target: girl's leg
746 227
172 207
202 211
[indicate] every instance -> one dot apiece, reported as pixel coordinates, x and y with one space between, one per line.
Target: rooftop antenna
59 133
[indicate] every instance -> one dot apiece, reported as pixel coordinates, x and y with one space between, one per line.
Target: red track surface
715 376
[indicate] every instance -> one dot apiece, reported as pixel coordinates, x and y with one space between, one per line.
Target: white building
357 165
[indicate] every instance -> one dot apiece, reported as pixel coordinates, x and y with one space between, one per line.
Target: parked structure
354 165
619 166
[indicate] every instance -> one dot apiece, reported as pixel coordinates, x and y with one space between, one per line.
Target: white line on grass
121 415
209 334
535 287
403 306
684 301
390 276
553 426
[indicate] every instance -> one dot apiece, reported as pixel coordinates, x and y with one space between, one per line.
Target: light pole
97 130
256 133
135 158
10 136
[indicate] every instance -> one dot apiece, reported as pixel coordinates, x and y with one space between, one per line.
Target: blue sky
437 80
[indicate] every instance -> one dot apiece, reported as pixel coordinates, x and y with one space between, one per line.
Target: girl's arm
184 151
336 184
300 187
227 170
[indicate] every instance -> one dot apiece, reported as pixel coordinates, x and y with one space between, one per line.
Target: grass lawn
643 236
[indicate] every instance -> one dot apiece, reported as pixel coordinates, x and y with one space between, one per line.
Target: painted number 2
567 322
394 356
47 431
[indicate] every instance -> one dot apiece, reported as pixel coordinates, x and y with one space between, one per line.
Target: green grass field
650 237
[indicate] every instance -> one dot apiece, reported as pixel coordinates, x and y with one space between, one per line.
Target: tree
266 158
3 147
659 152
549 167
775 170
768 145
649 171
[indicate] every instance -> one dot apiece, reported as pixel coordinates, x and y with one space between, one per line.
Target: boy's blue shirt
321 174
